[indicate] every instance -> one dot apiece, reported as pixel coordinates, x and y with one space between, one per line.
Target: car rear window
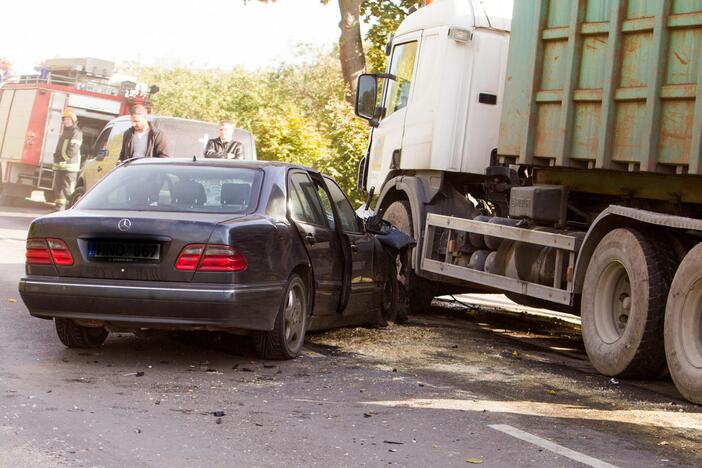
171 187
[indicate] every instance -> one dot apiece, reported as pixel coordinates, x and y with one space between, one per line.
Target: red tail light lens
222 258
48 252
59 252
203 257
38 252
189 257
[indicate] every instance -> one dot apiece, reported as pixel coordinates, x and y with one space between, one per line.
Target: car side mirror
367 98
100 155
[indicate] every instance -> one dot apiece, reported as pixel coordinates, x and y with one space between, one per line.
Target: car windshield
176 187
187 138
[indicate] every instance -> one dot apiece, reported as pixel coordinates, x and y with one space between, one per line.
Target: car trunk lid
130 245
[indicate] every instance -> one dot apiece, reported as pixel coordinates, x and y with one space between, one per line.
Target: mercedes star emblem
124 224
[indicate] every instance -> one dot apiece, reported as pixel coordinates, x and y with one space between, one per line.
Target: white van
186 138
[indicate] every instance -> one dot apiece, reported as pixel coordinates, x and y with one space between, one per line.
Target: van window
402 66
114 142
101 142
187 138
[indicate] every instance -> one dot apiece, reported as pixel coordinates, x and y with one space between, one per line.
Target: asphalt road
455 387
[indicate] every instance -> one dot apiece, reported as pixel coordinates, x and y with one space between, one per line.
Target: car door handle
99 169
354 247
310 238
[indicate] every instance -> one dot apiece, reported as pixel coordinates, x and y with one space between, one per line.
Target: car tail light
202 257
38 252
48 252
59 252
222 258
189 257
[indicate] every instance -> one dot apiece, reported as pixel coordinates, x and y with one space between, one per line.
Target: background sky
200 33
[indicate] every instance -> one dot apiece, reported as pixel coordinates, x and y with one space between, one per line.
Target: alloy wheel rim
294 317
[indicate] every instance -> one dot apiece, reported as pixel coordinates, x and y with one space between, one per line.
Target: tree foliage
296 112
384 17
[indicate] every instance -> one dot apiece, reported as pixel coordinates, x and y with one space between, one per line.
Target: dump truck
31 109
555 157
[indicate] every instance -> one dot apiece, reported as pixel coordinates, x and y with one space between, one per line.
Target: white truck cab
440 106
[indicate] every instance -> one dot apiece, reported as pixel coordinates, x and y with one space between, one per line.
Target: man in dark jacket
143 140
67 159
224 146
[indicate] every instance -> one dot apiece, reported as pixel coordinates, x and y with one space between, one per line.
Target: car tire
623 303
73 335
288 335
683 327
418 293
76 195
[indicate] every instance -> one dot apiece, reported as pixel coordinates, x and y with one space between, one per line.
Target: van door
112 149
386 147
97 154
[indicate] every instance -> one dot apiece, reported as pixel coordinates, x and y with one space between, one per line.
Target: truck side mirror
367 97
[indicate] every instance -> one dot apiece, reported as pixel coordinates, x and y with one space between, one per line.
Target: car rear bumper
145 304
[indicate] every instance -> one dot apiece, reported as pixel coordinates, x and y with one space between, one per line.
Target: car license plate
123 251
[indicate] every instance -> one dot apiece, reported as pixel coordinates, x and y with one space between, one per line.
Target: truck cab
439 109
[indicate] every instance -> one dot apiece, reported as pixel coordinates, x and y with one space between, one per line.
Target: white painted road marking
553 447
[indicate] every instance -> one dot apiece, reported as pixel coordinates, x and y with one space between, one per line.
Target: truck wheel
288 334
421 292
623 304
683 327
73 335
76 195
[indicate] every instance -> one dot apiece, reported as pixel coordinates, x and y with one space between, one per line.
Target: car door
321 241
364 294
98 152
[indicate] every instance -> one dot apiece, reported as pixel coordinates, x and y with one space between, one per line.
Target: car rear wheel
683 327
73 335
623 304
288 334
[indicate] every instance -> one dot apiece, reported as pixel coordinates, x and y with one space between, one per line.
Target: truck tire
73 335
683 327
288 335
623 304
421 292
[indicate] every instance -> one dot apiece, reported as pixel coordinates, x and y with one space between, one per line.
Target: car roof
216 162
154 117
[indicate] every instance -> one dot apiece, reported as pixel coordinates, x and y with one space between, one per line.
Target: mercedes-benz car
250 247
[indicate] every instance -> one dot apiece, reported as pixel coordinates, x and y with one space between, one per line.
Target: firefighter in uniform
67 159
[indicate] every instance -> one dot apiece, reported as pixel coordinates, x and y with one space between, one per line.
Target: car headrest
235 194
189 192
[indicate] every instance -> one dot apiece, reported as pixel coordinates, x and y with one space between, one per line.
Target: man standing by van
143 140
224 146
67 159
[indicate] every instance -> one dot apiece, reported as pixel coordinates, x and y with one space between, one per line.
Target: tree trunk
353 60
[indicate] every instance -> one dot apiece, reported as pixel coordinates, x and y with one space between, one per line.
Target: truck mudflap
485 273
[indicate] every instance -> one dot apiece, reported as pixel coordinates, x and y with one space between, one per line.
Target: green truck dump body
610 85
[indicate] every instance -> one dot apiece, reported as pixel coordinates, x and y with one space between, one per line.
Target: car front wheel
288 334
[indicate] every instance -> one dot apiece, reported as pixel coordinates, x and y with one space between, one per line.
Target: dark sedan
260 248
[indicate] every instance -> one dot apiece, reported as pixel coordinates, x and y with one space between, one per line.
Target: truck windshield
402 66
176 187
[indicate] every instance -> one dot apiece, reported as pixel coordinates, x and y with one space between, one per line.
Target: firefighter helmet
71 114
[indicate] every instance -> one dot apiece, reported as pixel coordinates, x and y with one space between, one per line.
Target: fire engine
31 109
